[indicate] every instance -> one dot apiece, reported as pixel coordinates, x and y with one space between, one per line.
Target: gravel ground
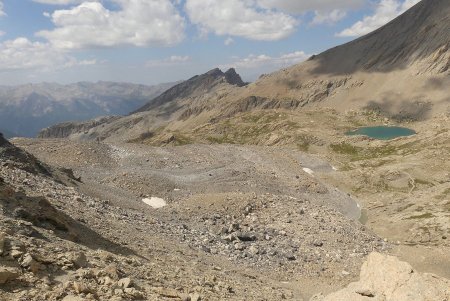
241 223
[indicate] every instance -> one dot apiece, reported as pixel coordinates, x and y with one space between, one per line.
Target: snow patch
155 202
308 171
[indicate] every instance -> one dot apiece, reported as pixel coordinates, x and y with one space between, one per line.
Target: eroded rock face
385 278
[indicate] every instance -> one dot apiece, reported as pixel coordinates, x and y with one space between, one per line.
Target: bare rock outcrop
385 278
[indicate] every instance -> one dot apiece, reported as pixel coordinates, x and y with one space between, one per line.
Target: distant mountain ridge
26 109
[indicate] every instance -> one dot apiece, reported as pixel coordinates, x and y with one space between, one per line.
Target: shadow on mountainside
420 33
401 109
20 158
42 214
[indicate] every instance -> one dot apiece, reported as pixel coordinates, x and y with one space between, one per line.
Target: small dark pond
382 132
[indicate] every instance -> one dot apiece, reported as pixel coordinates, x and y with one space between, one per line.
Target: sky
157 41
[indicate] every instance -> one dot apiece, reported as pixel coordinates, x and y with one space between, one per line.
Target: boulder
29 262
125 282
78 259
385 278
81 287
245 236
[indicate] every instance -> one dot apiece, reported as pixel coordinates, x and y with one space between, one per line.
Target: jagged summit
234 78
199 83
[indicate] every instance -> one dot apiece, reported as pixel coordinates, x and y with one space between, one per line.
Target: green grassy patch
255 128
357 153
346 149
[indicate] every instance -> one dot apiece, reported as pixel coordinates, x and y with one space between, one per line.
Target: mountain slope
400 71
24 110
419 37
196 85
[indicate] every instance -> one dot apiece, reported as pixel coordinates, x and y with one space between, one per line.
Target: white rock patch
155 202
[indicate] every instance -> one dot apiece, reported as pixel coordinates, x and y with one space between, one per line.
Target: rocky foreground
257 230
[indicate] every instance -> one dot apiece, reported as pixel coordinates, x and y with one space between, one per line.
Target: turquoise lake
382 132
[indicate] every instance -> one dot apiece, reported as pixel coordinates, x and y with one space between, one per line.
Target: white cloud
259 61
240 18
328 17
137 23
301 6
385 11
177 59
173 60
22 53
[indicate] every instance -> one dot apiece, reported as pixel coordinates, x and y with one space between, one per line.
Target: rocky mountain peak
216 72
234 78
194 86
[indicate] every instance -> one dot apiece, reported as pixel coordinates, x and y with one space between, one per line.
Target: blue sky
155 41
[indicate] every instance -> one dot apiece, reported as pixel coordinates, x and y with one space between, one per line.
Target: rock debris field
239 223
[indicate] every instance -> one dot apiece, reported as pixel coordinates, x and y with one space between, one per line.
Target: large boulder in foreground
385 278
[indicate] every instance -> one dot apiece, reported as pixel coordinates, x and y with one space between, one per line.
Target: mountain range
26 109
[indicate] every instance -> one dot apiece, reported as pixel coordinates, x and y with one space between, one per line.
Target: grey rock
239 246
29 262
245 236
78 259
